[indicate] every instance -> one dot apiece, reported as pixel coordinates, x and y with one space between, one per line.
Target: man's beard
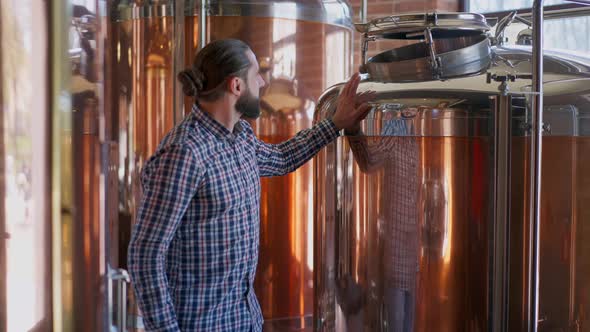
248 105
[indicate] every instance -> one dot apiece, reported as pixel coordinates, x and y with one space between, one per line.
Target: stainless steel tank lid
442 25
332 12
454 57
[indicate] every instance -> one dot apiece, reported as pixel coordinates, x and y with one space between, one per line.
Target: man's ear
236 85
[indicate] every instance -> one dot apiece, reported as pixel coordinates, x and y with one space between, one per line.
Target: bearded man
194 246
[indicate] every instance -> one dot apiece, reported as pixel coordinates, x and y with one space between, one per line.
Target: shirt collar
216 128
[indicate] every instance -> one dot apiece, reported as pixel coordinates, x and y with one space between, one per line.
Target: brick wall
380 8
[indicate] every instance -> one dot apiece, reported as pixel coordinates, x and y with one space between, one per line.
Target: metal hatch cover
442 25
453 57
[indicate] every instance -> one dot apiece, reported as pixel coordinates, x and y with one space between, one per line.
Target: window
486 6
284 54
23 118
563 31
568 34
335 65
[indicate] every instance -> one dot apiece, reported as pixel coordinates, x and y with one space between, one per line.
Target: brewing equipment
303 48
423 218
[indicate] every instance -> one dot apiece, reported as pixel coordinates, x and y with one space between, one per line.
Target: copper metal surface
349 203
564 275
412 216
142 103
331 12
454 173
88 252
299 60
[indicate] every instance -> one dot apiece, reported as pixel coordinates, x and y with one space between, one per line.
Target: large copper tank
303 48
422 220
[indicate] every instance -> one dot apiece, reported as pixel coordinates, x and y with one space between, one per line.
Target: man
194 247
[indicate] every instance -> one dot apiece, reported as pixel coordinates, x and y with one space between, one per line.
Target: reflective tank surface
407 217
303 47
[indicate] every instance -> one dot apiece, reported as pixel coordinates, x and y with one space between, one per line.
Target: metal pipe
500 267
120 278
535 166
434 60
203 24
363 12
179 60
523 20
364 48
61 166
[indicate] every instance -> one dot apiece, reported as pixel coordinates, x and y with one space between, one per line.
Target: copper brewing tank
303 48
422 220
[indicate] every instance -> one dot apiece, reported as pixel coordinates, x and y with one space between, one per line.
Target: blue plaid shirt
194 247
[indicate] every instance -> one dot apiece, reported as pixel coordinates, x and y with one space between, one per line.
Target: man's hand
361 98
351 108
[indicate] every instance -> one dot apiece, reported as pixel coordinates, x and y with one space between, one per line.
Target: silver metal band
535 168
333 13
502 108
419 22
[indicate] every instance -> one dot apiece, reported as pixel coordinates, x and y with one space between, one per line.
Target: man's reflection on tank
395 155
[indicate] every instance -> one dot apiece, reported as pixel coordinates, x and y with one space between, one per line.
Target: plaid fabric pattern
400 213
194 246
398 155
